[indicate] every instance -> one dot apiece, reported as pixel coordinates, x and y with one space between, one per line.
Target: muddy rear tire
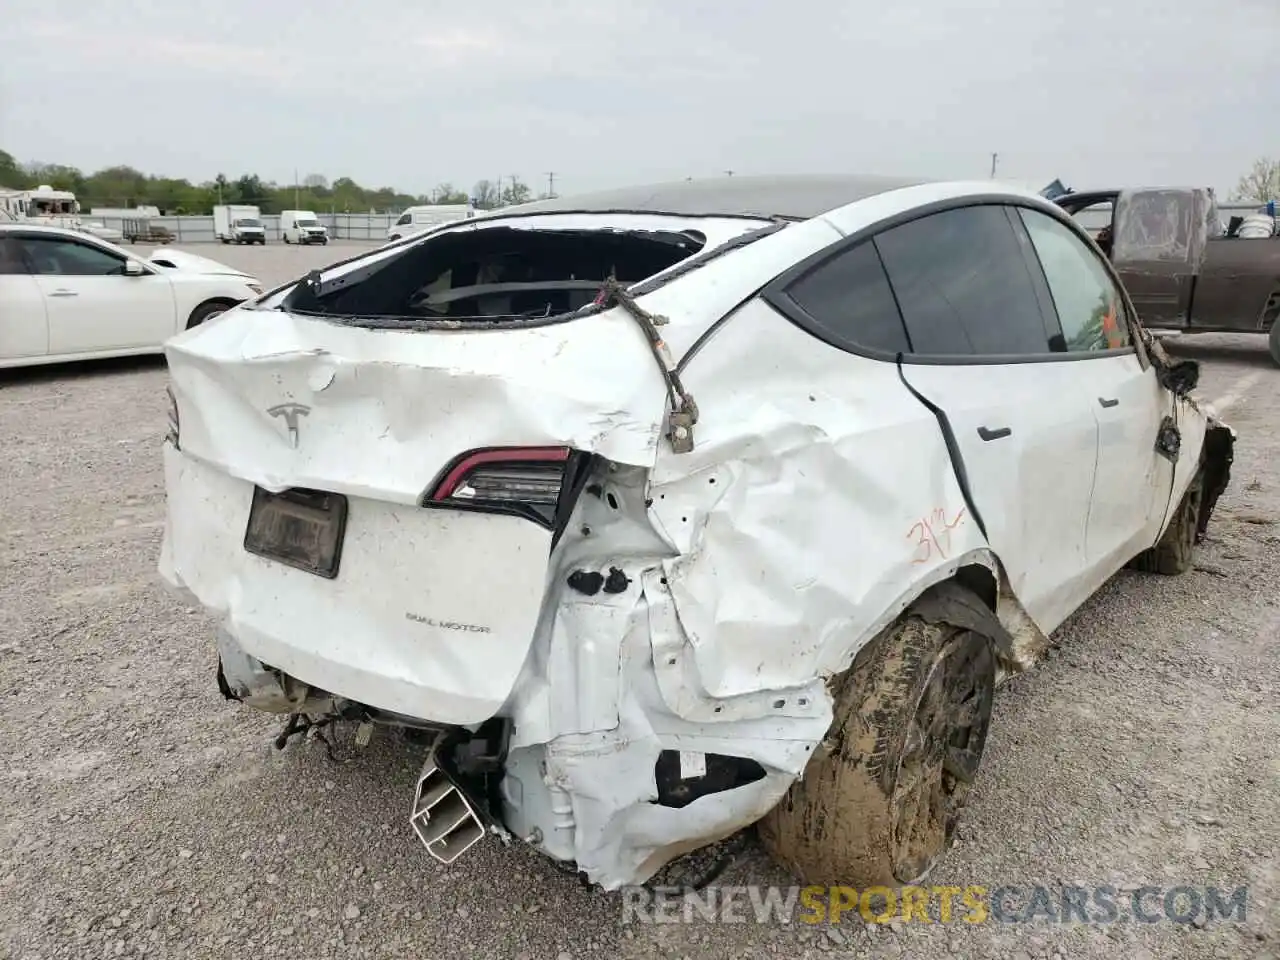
1176 552
880 801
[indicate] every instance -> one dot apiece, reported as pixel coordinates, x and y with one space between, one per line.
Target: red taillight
521 480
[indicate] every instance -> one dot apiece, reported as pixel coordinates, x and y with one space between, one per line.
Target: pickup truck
1184 269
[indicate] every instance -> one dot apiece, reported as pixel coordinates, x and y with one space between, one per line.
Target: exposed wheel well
980 581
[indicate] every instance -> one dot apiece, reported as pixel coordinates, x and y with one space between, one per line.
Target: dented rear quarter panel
800 517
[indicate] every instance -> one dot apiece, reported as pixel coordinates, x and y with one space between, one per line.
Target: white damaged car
68 295
669 511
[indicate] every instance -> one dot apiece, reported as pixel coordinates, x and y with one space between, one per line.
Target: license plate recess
299 528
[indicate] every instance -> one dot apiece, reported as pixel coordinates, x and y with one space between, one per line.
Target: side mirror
132 268
1180 378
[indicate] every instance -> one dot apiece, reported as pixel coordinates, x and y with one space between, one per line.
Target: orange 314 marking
932 534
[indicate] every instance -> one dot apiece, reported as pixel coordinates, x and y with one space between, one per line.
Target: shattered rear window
496 274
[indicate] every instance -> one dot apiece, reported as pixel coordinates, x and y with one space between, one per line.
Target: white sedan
67 295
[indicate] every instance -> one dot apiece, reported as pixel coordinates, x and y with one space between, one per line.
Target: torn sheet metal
597 790
796 495
378 414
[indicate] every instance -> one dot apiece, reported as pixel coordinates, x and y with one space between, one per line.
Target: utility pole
995 157
296 200
551 183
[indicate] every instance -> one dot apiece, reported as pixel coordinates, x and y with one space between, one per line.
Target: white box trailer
239 224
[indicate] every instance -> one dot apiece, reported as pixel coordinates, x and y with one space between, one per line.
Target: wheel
206 311
1176 552
225 240
1273 341
395 236
285 238
879 803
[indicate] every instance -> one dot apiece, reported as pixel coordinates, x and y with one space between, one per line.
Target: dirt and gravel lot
143 815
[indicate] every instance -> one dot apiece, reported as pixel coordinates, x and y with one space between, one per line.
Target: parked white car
462 486
66 295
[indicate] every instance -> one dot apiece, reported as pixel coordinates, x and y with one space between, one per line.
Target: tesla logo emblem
290 412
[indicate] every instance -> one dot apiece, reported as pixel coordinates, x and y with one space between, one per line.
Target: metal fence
374 226
341 226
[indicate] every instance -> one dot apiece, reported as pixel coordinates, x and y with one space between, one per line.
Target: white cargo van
239 224
422 218
302 226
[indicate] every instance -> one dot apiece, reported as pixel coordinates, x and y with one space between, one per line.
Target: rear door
91 305
978 319
1133 482
24 328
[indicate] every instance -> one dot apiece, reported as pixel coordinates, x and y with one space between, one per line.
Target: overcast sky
411 93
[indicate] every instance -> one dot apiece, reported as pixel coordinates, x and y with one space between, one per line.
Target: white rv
46 203
416 219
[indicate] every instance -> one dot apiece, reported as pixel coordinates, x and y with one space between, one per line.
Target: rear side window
963 284
11 262
849 297
1089 304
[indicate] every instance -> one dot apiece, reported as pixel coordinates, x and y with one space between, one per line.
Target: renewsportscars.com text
972 904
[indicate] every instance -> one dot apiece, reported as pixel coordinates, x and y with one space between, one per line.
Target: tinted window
964 285
849 295
1089 305
11 261
52 256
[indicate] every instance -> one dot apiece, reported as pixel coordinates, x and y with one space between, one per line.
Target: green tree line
123 186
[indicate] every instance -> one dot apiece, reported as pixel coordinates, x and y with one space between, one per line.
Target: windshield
248 223
306 222
51 208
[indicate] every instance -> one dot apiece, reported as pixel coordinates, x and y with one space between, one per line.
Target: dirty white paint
819 500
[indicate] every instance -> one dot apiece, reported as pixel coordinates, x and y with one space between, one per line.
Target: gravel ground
144 815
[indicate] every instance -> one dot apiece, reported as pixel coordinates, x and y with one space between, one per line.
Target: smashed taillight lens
526 481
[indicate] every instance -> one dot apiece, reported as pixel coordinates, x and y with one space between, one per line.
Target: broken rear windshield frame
307 297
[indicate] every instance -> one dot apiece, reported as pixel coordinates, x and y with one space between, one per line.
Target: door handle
1108 403
64 293
996 434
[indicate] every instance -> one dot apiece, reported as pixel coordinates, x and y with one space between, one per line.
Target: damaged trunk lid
369 505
